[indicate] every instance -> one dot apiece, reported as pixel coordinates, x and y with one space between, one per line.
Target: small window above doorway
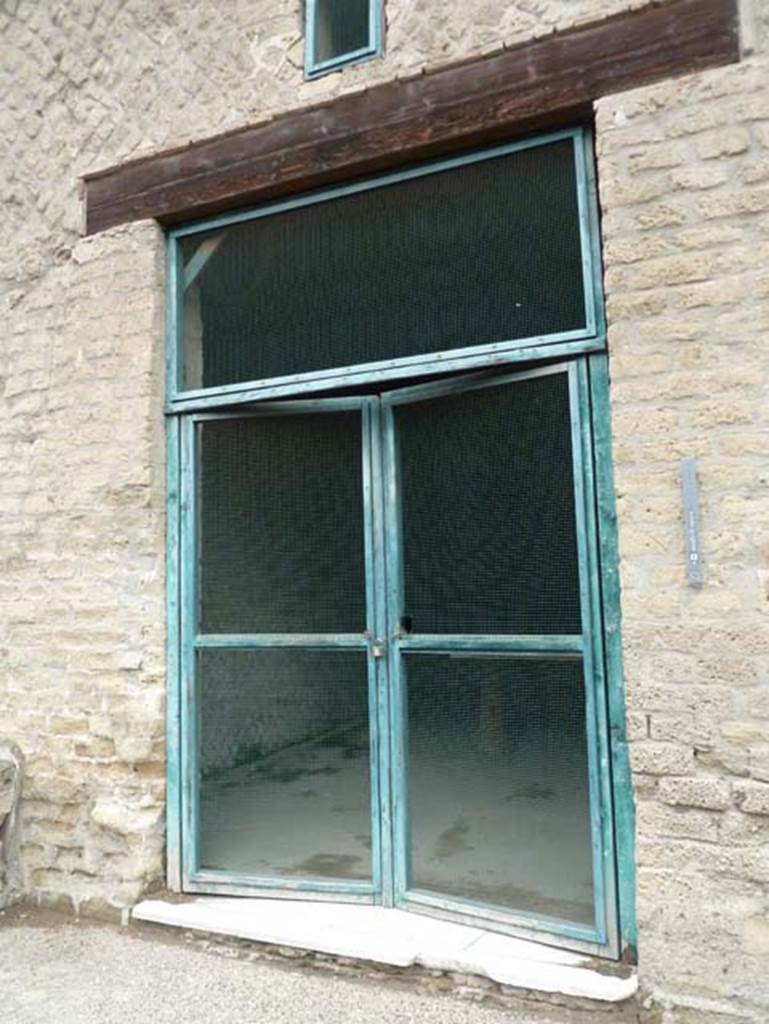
341 32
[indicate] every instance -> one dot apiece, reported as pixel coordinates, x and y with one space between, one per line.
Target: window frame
582 340
374 48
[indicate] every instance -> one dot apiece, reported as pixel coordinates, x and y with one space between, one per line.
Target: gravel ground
60 972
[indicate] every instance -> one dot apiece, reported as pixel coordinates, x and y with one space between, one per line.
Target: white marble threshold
393 937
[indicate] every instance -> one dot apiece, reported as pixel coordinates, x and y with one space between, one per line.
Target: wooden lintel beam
537 85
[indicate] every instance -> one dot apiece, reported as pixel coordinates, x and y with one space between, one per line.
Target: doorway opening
392 675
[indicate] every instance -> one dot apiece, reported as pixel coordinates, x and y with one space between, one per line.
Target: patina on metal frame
599 645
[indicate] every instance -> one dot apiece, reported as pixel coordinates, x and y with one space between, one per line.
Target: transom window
463 260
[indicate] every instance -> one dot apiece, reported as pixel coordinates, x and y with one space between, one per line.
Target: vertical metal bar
600 747
371 529
188 605
309 37
174 275
580 170
622 783
398 721
380 632
173 724
591 665
593 230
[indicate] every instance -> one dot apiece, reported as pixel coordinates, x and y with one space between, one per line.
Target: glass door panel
497 713
498 782
281 524
280 752
391 649
284 763
487 496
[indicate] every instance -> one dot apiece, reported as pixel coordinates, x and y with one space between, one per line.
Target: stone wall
684 188
84 85
82 668
684 181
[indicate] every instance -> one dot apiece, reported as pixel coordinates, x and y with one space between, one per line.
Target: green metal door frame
613 822
588 646
382 498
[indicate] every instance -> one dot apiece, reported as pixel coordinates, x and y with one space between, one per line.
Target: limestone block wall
684 189
81 527
85 85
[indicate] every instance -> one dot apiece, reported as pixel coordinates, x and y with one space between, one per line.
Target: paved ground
54 972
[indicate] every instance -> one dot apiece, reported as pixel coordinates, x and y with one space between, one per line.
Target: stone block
707 793
119 816
752 797
755 936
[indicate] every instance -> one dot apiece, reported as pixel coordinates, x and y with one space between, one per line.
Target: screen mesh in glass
284 763
498 782
484 253
341 27
281 525
489 535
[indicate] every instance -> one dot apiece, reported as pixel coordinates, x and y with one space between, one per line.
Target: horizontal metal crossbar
543 645
256 640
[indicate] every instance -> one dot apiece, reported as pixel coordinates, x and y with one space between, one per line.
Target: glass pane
498 782
284 763
483 253
341 26
489 535
281 525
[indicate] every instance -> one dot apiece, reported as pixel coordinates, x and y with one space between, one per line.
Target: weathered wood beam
548 82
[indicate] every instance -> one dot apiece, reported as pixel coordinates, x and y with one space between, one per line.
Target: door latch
378 648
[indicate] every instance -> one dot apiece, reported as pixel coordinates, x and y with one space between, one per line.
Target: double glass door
393 686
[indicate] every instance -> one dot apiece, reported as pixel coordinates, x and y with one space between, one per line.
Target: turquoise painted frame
589 338
587 647
591 393
192 877
374 48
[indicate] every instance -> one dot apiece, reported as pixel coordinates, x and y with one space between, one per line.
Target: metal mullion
369 510
398 720
252 641
380 714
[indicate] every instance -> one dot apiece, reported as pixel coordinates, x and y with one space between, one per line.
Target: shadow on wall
11 777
